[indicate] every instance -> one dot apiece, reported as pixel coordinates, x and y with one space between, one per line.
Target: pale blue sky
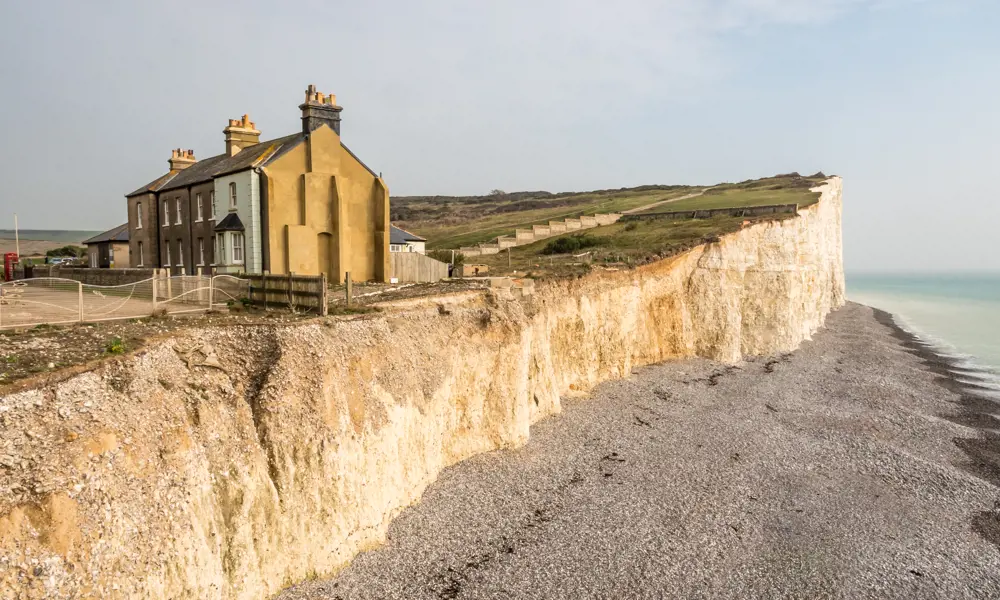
901 97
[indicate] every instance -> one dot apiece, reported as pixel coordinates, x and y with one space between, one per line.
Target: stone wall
108 277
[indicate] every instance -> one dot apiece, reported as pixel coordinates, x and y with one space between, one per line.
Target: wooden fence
413 267
298 291
739 211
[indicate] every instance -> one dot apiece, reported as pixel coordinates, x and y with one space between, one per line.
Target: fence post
79 287
291 296
211 291
263 288
324 309
347 280
156 275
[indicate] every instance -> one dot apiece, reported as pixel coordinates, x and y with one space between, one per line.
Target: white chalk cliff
147 477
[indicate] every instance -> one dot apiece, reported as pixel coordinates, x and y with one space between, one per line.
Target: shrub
632 226
115 346
570 244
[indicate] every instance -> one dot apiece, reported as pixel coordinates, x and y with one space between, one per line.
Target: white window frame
201 252
167 262
238 250
232 196
211 199
177 203
180 253
197 216
139 250
221 259
166 213
138 215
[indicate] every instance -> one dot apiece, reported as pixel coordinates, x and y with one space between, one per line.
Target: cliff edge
231 462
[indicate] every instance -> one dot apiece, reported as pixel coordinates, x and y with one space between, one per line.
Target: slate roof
118 234
204 170
154 185
401 236
231 222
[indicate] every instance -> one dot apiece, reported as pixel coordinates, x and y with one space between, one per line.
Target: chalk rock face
160 476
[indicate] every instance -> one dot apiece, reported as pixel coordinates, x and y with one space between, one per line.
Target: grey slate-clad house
401 240
109 250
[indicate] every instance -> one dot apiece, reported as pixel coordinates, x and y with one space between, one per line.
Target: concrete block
588 222
524 236
557 227
541 231
506 242
573 224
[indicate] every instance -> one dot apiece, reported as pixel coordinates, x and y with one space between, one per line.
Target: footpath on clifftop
847 469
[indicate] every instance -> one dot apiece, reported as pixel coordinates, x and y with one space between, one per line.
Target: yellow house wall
319 188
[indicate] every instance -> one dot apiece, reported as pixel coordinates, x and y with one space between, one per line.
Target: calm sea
959 314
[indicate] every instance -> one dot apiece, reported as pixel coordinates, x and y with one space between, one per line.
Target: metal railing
52 301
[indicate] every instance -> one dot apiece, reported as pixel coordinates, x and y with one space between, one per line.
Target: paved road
841 471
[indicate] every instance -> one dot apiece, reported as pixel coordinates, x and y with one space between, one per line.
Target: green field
456 222
624 244
49 235
452 222
773 190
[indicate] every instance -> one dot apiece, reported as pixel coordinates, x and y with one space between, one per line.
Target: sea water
958 314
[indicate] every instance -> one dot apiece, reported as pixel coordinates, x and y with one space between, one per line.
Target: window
139 249
232 195
180 253
201 251
221 258
166 263
177 202
166 214
138 215
197 215
211 200
215 251
238 248
393 247
93 257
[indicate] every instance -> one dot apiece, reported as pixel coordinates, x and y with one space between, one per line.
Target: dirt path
662 202
844 470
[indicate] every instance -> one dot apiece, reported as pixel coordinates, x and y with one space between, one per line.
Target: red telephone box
9 260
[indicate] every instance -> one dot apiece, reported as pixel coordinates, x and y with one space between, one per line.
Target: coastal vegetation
456 221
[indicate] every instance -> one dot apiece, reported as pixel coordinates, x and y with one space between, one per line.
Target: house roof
231 222
401 236
154 185
118 234
215 166
206 169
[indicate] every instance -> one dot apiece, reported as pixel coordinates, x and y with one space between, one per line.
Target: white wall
248 209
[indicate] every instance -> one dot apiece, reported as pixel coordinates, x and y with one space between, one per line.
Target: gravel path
849 469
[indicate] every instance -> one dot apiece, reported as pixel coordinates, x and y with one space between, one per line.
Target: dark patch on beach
974 410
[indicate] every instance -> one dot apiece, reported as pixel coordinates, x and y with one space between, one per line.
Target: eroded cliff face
156 476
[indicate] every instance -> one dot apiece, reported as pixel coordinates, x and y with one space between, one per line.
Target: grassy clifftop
456 221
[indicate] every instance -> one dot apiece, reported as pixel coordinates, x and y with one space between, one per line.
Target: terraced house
302 203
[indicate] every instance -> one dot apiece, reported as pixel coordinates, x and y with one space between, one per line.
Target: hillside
63 236
456 221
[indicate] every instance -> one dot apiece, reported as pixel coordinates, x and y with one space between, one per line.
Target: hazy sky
901 97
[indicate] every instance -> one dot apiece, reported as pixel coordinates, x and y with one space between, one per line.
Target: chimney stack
240 134
319 109
181 159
